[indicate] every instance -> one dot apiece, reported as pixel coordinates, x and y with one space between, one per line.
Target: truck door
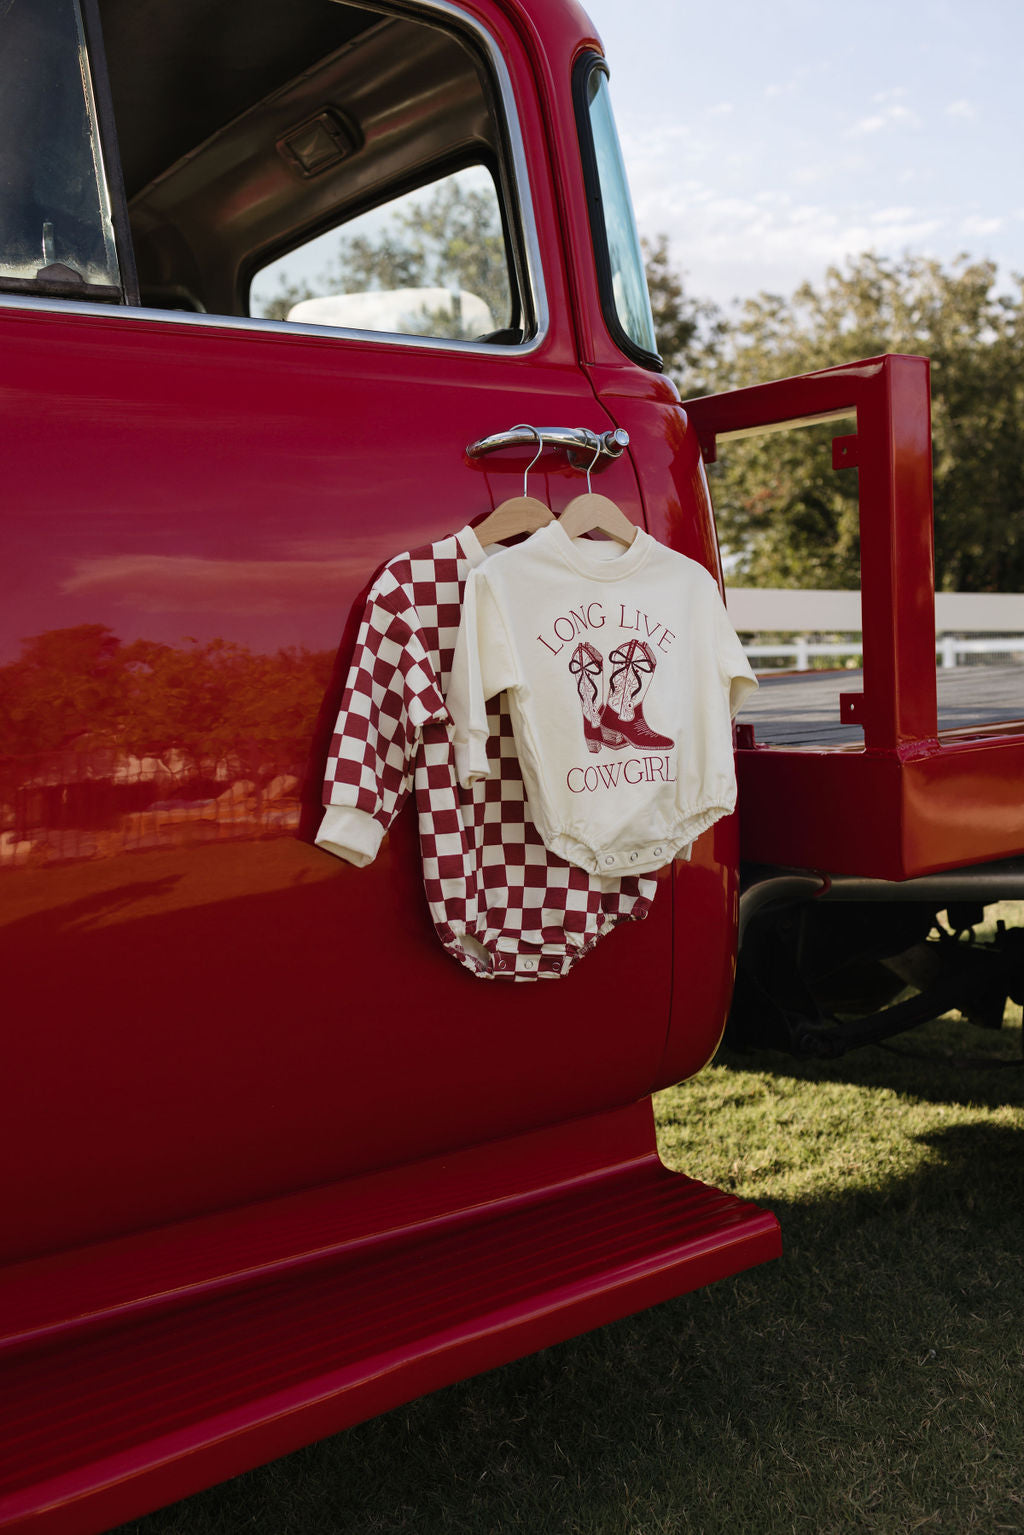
317 253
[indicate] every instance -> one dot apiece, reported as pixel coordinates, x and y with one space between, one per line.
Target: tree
785 516
690 331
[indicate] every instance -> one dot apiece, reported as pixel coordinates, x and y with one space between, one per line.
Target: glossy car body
274 1162
256 1099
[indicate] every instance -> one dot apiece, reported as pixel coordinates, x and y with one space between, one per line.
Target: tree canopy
784 515
691 332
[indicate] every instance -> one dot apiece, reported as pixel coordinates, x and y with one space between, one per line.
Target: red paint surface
243 1075
513 1247
228 1004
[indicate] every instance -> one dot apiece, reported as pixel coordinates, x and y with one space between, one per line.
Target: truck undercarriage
826 966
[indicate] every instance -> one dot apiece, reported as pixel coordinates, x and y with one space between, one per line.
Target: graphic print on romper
587 665
622 719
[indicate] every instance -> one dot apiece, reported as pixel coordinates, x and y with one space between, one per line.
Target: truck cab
275 1163
288 289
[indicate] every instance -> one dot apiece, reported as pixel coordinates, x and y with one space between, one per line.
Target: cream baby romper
623 674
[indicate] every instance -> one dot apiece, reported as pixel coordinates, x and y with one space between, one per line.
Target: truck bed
815 794
803 709
880 774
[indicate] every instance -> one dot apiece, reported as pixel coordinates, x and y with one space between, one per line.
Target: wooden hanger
591 511
519 514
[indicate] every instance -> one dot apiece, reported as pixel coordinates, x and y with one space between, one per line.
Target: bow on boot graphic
619 722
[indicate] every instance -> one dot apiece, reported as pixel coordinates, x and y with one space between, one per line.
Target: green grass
872 1380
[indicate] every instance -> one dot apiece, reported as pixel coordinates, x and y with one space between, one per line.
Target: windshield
628 281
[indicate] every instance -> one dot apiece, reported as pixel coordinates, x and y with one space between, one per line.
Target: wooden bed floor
803 709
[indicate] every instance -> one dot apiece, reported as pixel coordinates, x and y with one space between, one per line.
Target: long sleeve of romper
391 692
483 665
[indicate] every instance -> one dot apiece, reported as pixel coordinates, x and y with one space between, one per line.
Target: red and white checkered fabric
502 904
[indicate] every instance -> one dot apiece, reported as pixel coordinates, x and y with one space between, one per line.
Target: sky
770 141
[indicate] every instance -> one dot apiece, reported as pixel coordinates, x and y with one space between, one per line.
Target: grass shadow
944 1061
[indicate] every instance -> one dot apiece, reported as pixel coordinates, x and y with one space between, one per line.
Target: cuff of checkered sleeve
471 760
350 833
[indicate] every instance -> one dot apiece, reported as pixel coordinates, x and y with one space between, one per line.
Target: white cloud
826 171
665 144
738 225
961 108
977 227
735 245
892 215
888 117
775 90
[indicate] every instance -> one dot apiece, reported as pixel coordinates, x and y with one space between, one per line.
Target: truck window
253 137
620 263
431 263
56 230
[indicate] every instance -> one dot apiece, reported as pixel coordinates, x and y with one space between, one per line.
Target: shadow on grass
946 1061
870 1380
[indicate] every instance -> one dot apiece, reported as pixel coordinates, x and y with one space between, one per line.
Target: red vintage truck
272 1163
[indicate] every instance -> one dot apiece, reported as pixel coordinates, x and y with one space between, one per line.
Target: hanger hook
593 461
526 427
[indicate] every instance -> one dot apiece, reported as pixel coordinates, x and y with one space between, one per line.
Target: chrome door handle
579 442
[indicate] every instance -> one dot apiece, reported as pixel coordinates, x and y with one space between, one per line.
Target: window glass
430 263
240 140
56 234
628 280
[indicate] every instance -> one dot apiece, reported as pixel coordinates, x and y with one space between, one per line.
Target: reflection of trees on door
106 746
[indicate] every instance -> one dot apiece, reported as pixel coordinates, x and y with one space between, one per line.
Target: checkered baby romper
502 904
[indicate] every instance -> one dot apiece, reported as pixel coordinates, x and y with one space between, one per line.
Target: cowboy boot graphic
632 668
587 665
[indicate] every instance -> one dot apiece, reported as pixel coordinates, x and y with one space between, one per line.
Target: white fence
999 616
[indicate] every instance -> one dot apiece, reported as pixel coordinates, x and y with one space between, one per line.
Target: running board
146 1368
